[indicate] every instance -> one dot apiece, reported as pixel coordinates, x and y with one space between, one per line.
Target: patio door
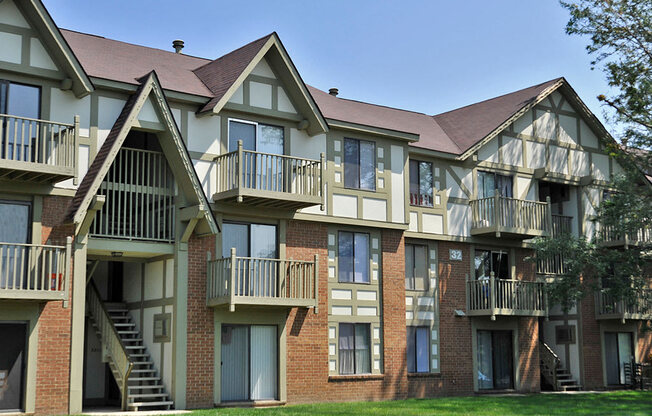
262 170
257 244
495 360
618 352
21 101
249 363
12 365
14 233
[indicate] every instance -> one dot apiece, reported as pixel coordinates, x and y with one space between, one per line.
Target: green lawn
613 403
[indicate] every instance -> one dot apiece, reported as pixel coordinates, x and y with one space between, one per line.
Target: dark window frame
414 277
354 325
416 199
415 329
368 259
565 334
496 175
358 185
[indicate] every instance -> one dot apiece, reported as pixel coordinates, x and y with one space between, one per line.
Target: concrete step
138 405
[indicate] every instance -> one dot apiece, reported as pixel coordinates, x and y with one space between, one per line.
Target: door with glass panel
263 169
256 250
14 235
249 361
486 262
488 184
495 360
12 365
618 352
19 100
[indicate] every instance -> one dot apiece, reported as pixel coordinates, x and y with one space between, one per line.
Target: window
487 261
15 222
256 137
20 101
489 182
565 334
417 349
353 257
420 183
416 267
354 349
359 164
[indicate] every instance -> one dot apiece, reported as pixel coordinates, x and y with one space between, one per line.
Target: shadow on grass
594 404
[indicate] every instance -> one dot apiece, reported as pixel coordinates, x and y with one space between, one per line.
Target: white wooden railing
113 350
251 280
495 296
609 306
139 190
34 271
269 174
499 213
613 235
40 142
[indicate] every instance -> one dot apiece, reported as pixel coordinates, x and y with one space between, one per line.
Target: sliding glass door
249 361
495 360
618 352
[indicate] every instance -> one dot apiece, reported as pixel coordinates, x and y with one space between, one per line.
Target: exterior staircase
140 386
554 373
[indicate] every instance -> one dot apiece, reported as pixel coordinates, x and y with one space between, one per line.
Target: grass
594 404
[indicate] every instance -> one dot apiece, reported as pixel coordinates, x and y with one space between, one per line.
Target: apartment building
181 232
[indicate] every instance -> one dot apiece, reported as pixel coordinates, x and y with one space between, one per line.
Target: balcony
509 217
38 150
612 237
264 282
34 271
139 191
269 180
610 307
493 296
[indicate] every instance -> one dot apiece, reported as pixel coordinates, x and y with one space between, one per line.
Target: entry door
249 363
495 360
14 228
12 365
618 351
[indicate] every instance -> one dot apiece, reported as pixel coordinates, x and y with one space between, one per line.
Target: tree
620 40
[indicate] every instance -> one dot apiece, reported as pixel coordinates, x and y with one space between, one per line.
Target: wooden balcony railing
493 296
259 281
139 190
38 150
561 224
269 179
113 350
34 271
514 217
612 236
611 307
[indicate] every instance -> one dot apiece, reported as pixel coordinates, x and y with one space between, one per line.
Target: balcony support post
67 272
75 152
492 295
322 176
316 280
545 300
549 215
239 170
496 215
232 281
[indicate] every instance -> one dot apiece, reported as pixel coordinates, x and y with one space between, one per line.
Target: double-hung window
353 257
420 183
359 164
417 349
354 349
416 267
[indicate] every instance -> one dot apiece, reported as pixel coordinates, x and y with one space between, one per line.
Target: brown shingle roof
220 74
468 125
125 62
430 134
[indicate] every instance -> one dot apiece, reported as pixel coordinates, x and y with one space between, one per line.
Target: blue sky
426 56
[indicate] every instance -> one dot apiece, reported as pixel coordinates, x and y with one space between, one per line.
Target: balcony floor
261 301
505 312
33 172
271 199
508 232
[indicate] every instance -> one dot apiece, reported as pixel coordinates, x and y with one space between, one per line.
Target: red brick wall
644 343
201 337
307 341
54 337
591 345
456 352
528 357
